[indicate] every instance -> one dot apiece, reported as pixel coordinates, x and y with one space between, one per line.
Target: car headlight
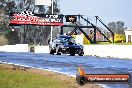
61 46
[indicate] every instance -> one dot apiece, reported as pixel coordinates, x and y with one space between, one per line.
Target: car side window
72 40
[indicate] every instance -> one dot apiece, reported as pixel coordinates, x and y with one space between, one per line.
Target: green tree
56 8
3 40
6 7
12 36
117 27
120 27
112 26
28 33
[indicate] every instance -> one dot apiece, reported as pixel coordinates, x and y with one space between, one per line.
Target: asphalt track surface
68 64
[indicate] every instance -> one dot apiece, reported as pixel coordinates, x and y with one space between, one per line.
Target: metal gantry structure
29 18
91 25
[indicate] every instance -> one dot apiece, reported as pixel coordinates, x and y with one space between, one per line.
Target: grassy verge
18 78
12 76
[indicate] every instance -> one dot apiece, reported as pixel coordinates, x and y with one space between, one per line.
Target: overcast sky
107 10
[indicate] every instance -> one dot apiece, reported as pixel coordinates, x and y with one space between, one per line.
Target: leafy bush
119 38
3 40
85 40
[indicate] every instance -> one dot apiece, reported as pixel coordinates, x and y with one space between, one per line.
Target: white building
128 33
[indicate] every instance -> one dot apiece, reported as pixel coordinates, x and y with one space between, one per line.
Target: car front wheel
57 51
81 52
72 54
51 52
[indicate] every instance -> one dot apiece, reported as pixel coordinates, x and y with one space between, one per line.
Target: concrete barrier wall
41 49
117 51
14 48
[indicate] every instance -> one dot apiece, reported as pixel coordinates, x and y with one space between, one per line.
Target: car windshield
67 39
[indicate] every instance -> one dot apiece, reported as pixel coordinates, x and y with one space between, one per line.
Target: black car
65 44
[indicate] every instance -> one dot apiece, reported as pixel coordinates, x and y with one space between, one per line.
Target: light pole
52 14
89 14
88 18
